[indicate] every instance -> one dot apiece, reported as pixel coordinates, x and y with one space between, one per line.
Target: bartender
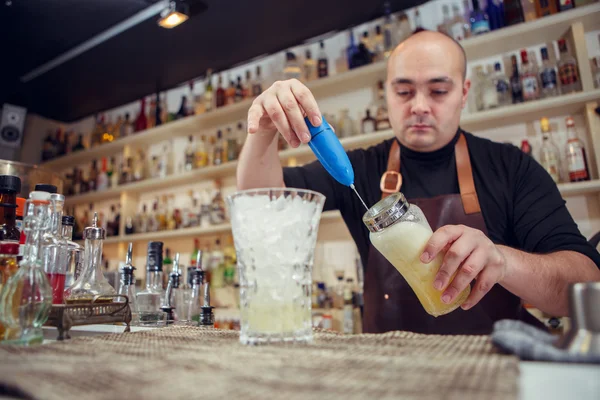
494 210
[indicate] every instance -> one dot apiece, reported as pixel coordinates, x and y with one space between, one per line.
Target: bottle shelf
513 114
566 189
194 232
494 43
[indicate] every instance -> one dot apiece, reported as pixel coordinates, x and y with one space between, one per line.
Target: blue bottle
351 51
479 20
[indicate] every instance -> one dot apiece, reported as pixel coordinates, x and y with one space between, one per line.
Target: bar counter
187 362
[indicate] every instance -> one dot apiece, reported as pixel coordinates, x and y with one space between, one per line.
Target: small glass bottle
196 281
10 187
239 90
400 231
208 92
309 68
368 123
174 294
127 286
218 149
502 86
74 250
378 45
190 154
150 300
382 121
322 61
55 251
345 125
529 78
549 155
91 285
548 76
220 93
201 153
292 69
515 82
577 165
257 83
232 146
568 72
479 20
26 298
489 90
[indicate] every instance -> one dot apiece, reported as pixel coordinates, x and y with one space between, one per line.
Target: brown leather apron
389 302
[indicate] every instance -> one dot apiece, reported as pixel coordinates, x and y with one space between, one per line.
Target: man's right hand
282 107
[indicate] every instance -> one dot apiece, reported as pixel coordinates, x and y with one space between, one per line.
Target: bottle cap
68 220
386 212
94 232
570 122
39 196
11 248
545 124
57 197
45 187
154 259
10 184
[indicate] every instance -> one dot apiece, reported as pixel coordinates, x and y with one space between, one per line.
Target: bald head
435 43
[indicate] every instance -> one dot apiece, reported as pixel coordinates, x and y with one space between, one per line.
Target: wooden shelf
194 232
579 188
495 43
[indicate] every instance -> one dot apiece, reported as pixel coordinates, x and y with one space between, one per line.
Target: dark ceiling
135 62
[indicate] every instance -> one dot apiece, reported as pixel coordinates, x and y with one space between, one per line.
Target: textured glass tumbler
275 232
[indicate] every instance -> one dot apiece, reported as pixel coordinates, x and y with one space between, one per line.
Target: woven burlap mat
188 363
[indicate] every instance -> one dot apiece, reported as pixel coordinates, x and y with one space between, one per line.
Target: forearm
542 280
259 165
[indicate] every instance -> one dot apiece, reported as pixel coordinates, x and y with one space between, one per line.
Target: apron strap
391 180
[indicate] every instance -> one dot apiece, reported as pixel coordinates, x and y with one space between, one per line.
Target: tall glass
275 232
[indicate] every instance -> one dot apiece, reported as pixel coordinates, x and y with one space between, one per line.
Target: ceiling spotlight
176 13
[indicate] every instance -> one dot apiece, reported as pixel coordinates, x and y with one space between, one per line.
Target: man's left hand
470 254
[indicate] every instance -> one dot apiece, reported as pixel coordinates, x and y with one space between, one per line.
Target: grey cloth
533 344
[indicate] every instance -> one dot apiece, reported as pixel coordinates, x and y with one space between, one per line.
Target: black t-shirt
521 205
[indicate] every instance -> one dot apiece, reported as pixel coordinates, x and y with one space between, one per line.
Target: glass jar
400 231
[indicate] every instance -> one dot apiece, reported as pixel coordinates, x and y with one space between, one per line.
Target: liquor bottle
322 62
230 93
418 22
153 223
239 90
150 299
127 285
529 79
141 122
165 116
161 215
479 20
564 5
220 97
309 68
498 14
382 121
232 146
248 86
490 90
549 155
102 181
91 282
388 31
515 82
526 147
257 84
173 304
577 165
291 69
190 108
548 76
567 69
217 266
351 51
208 92
194 258
139 172
218 149
478 83
502 86
210 150
458 27
217 214
368 123
167 262
79 145
190 154
10 187
26 297
195 279
513 12
74 250
141 224
545 7
366 41
165 162
183 108
404 29
129 227
346 126
201 153
529 10
444 27
378 45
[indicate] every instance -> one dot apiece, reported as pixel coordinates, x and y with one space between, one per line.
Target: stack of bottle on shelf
467 19
208 209
569 165
492 88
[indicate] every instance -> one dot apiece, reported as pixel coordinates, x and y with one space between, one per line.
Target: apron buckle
391 179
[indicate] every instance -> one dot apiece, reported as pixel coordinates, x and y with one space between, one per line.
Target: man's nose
420 106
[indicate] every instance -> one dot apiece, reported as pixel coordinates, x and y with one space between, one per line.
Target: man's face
426 93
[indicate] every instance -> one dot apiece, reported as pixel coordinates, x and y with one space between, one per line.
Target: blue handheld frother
330 152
